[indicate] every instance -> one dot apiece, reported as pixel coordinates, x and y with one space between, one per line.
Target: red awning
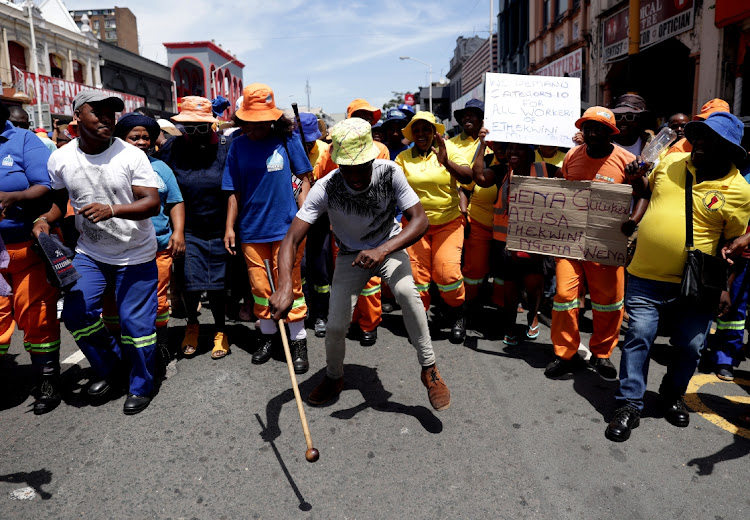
731 11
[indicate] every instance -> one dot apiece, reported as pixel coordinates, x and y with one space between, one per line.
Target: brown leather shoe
437 391
326 391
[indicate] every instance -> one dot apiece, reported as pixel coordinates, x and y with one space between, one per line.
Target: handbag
705 276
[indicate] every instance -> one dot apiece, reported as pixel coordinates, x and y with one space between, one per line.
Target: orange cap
258 104
600 115
715 105
195 109
361 104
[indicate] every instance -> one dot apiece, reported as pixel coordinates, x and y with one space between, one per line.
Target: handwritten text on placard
572 219
532 109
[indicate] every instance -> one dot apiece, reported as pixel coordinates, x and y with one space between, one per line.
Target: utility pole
307 91
634 43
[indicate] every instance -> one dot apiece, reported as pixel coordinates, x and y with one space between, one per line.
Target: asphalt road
222 440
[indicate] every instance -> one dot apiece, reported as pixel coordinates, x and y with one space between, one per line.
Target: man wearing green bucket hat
360 199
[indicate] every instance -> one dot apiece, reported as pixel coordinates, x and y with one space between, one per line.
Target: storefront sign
659 20
532 109
569 65
570 219
59 93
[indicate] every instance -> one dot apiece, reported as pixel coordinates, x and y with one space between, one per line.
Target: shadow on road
304 505
357 377
705 465
35 479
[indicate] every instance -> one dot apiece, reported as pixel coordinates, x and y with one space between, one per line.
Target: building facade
465 48
205 69
67 57
513 36
130 73
114 25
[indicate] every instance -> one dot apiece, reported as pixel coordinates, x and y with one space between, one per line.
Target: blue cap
218 105
729 128
408 110
379 124
472 103
394 114
310 126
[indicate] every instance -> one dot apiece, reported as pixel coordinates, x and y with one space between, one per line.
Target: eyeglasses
202 128
626 117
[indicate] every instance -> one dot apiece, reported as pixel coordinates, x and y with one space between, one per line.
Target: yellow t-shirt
481 203
555 160
317 150
721 206
466 145
436 188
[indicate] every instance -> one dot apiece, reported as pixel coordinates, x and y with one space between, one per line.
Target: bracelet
111 209
40 218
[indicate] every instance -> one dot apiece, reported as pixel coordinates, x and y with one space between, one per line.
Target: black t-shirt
199 172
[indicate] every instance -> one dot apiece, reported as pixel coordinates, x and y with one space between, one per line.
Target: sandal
221 346
190 342
532 332
511 341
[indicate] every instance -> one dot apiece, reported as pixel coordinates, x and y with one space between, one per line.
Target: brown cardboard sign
571 219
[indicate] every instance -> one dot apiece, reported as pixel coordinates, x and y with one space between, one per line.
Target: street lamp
30 5
216 90
423 63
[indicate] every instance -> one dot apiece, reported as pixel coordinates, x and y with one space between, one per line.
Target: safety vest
500 209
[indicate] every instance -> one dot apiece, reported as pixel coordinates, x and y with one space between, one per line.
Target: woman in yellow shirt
434 168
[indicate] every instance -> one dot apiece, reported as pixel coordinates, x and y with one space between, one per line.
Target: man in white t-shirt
361 199
114 192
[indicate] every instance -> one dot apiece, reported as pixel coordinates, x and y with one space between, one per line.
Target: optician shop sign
659 20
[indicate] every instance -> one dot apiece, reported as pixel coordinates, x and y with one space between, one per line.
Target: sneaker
325 391
563 368
437 390
626 419
604 368
60 305
725 372
320 328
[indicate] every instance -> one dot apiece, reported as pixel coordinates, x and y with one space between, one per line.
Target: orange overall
33 305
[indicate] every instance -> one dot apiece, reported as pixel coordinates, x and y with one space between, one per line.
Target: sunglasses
202 128
626 117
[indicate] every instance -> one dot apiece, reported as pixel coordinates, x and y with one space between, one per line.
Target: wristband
40 218
111 209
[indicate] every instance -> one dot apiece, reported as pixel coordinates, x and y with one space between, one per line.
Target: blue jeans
645 302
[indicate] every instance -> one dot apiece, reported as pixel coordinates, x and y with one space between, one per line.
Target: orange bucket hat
195 109
361 104
715 105
600 115
258 104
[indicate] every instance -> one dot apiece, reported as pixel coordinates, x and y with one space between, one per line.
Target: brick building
114 25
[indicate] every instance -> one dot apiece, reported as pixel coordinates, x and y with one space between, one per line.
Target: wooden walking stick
311 454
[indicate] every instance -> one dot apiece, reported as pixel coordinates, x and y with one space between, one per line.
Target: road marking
74 358
693 400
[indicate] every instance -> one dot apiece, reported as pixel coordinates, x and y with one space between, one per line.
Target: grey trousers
348 282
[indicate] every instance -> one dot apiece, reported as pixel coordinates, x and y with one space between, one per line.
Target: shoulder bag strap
688 210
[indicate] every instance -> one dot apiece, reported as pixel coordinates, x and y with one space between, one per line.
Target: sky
347 49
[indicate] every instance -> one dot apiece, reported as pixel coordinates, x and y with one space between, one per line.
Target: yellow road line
696 404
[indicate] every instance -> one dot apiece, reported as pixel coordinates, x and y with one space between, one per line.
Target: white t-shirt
107 178
361 219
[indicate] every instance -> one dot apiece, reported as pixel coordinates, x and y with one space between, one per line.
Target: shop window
77 72
17 55
56 66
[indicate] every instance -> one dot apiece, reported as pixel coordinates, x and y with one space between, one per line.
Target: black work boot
48 396
265 350
458 331
298 348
